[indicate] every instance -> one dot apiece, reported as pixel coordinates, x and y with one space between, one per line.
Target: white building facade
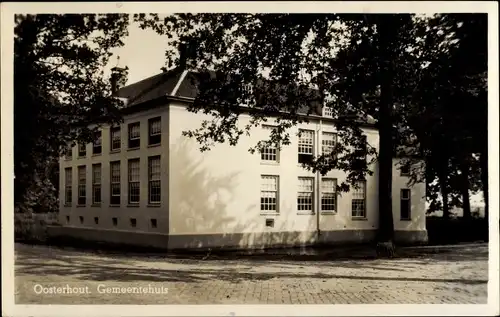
144 183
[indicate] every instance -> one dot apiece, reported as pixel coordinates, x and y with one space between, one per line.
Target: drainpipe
318 179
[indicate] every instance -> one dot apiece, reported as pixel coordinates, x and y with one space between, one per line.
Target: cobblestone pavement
457 276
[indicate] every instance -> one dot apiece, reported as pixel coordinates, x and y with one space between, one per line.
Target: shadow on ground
89 267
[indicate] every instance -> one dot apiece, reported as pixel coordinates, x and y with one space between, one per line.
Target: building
144 183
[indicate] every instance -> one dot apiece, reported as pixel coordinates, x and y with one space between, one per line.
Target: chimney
118 78
183 50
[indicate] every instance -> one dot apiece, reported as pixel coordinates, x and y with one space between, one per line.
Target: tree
59 87
275 64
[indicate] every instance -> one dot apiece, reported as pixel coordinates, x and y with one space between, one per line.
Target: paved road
458 275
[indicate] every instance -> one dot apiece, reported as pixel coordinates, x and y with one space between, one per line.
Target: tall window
133 181
405 170
96 183
361 152
359 200
269 193
116 140
68 190
154 131
328 112
82 150
115 183
405 204
306 146
269 153
329 194
154 180
82 180
69 152
97 145
134 135
305 194
328 142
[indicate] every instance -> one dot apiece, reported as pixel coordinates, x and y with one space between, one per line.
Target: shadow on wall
202 215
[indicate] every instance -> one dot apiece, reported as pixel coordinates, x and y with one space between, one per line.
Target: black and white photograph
246 158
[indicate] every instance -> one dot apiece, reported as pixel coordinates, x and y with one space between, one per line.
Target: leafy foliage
60 93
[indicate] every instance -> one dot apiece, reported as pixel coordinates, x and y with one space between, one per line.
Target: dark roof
162 85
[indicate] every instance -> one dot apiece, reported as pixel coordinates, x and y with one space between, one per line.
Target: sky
143 53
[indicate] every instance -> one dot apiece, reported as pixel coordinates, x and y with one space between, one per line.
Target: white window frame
306 142
152 131
96 183
82 184
154 180
269 189
80 152
359 199
403 198
115 181
133 136
328 142
328 112
305 191
329 193
97 144
270 153
68 188
115 135
132 181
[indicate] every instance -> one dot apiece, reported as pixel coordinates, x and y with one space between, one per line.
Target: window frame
99 146
68 186
131 139
311 193
138 181
403 172
327 147
152 181
353 200
401 199
96 186
301 145
82 154
158 134
112 132
265 191
82 185
113 182
270 151
333 193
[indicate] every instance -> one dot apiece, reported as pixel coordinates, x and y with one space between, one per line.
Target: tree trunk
387 28
464 187
443 184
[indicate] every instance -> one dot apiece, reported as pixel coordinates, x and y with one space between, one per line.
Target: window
96 183
134 135
360 154
97 145
69 152
306 146
329 194
305 194
405 204
405 170
115 183
154 180
154 131
328 112
116 140
328 142
68 191
133 222
269 193
96 220
115 221
81 219
270 223
359 200
67 219
269 153
133 181
82 190
82 150
153 223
